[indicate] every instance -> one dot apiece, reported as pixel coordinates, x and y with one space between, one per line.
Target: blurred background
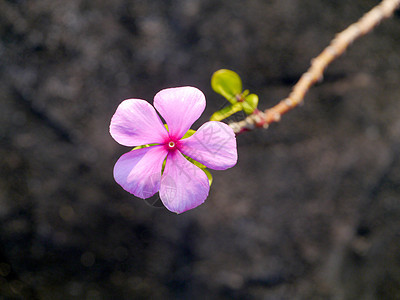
311 210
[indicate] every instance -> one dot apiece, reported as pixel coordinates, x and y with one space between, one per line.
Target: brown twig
336 48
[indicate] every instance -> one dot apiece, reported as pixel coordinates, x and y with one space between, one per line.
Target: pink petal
139 171
183 185
213 145
180 107
136 123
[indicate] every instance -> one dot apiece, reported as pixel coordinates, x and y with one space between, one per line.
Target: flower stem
336 48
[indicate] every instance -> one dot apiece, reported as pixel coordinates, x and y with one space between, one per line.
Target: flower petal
180 107
139 171
183 185
136 123
213 145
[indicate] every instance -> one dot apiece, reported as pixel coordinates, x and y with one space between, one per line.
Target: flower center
171 145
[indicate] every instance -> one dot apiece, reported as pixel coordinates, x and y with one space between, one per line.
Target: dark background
311 210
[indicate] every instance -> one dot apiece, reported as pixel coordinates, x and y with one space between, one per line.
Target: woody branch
336 48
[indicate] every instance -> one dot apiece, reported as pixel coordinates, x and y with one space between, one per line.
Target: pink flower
182 185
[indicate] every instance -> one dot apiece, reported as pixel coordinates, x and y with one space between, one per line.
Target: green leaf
196 163
244 94
143 146
163 166
226 112
227 83
250 103
209 176
189 133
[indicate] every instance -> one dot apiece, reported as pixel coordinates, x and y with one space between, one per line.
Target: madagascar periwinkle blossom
181 184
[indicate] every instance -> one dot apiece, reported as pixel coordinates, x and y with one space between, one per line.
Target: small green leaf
245 93
196 163
163 166
226 112
189 133
250 103
143 146
209 176
227 83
